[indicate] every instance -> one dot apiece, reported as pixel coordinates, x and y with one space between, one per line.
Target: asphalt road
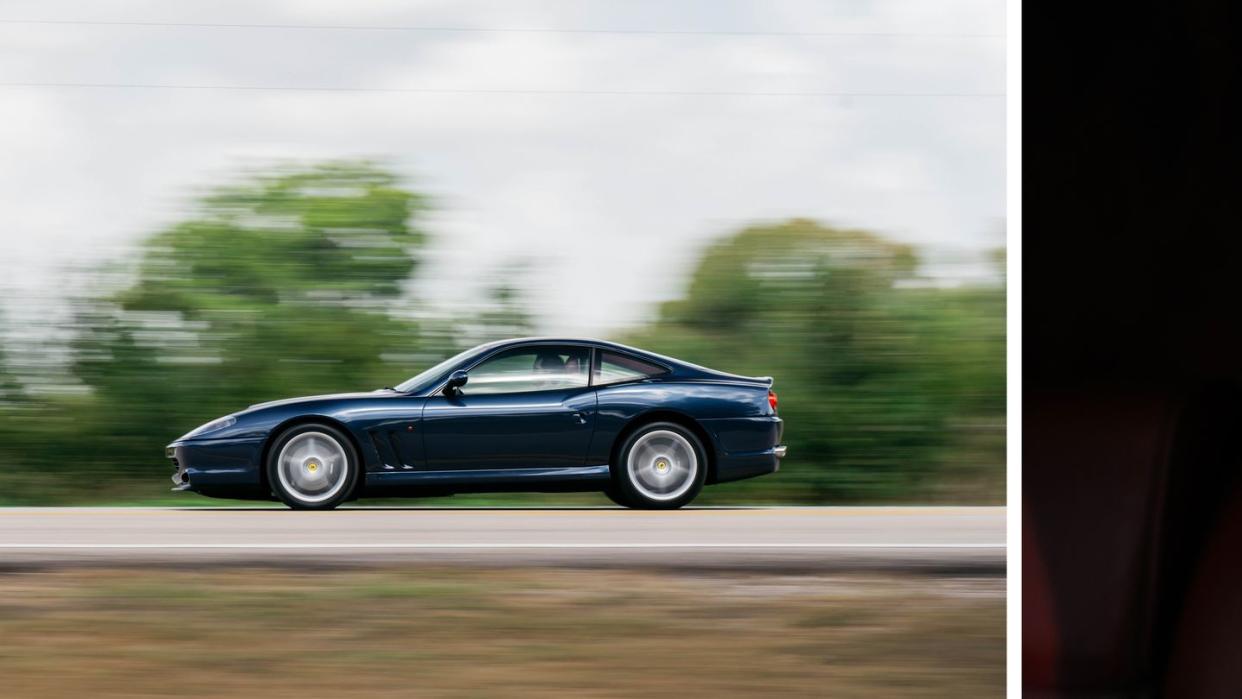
929 538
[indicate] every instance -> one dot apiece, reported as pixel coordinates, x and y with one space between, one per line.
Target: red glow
772 399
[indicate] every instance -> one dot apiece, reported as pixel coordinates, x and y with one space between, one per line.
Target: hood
314 399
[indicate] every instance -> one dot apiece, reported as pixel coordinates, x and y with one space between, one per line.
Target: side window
529 369
614 368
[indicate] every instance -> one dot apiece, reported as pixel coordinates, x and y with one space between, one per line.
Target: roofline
678 367
594 341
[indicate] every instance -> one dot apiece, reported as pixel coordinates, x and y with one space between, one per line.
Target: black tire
616 497
341 487
665 445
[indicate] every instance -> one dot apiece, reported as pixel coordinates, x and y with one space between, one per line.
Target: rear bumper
746 447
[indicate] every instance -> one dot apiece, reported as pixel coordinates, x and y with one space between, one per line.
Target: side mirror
456 380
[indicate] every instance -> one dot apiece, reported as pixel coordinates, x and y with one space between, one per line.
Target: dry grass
482 632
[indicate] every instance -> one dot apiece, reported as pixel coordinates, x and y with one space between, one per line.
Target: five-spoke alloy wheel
312 467
660 466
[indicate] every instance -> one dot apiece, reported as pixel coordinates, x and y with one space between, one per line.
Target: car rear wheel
312 467
661 466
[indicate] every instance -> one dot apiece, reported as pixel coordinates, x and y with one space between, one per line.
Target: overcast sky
609 196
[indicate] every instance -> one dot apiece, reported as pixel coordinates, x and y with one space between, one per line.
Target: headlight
217 424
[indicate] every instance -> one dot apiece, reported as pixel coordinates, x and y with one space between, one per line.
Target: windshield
434 371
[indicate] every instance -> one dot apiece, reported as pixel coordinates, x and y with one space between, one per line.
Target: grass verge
465 632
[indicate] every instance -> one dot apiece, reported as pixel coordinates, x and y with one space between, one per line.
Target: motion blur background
205 206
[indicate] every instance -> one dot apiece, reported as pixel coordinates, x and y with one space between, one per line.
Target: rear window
613 367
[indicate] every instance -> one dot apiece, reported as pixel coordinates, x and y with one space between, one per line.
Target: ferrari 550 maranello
531 414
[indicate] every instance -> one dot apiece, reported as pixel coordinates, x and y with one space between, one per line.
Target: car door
525 407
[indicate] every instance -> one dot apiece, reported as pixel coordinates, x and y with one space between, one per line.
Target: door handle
579 417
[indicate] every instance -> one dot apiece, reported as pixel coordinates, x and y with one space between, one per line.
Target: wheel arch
638 421
311 420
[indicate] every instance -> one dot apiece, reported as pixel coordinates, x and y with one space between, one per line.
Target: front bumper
180 477
225 467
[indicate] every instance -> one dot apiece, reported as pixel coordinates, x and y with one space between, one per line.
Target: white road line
501 546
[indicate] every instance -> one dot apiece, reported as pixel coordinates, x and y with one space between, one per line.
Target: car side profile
531 414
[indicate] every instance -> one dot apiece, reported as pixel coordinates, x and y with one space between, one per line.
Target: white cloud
610 196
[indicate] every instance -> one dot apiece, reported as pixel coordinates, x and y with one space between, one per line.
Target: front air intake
179 477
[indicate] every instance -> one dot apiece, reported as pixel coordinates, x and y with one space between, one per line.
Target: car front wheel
661 466
312 467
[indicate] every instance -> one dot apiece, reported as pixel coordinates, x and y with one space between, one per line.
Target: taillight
772 399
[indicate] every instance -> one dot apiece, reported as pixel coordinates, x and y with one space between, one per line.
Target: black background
1132 248
1132 328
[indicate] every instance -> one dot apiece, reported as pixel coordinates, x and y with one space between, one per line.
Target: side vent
395 444
384 447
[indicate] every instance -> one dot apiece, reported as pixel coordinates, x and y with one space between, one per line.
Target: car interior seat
549 363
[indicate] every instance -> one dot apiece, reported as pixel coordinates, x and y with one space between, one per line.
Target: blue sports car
534 414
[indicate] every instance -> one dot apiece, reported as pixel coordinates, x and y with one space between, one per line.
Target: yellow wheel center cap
661 466
312 467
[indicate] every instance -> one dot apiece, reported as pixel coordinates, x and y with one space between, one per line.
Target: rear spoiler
702 372
765 381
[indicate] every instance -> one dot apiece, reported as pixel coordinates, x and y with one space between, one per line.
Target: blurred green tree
11 391
293 282
874 370
278 286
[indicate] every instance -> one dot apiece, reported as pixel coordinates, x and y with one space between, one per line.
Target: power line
499 91
501 30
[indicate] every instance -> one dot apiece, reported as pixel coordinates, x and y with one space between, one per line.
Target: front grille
179 477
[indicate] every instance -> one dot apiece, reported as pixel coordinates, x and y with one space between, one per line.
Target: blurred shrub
277 286
885 384
293 282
